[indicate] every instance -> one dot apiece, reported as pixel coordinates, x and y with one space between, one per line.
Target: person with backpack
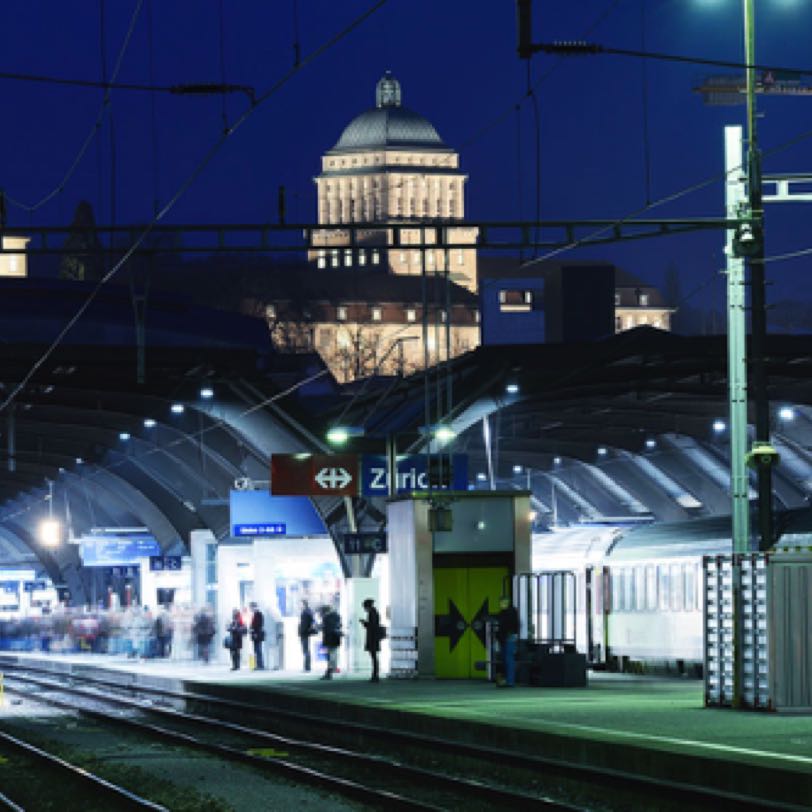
236 631
331 635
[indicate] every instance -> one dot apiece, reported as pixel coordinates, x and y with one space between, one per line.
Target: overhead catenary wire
32 207
184 187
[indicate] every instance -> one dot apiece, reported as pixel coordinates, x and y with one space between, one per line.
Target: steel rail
296 772
516 800
689 793
129 799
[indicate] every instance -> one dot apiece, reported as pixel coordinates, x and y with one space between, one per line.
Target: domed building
391 166
391 175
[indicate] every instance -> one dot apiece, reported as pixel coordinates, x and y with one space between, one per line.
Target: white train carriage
638 592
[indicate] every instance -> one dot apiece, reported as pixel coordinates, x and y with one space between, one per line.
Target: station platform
655 727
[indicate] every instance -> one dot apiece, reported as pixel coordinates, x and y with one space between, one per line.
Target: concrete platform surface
657 727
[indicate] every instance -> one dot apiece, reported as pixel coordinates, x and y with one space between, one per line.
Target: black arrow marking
478 623
452 625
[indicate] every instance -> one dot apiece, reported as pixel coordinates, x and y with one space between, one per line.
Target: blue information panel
412 473
257 514
106 551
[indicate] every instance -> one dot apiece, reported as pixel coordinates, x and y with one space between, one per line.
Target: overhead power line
583 48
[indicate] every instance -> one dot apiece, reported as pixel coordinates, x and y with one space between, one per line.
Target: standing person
203 631
236 631
257 636
307 628
373 638
508 634
330 637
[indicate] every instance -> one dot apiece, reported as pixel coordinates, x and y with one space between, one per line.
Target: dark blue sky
457 63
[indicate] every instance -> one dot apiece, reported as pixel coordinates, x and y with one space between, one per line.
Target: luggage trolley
547 654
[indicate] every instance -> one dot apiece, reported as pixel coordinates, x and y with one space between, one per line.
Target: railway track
352 773
604 782
119 797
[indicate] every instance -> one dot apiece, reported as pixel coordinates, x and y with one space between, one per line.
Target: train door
595 616
464 598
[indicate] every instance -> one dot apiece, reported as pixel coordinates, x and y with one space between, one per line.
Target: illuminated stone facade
391 174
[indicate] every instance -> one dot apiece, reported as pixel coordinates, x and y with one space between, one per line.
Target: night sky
457 63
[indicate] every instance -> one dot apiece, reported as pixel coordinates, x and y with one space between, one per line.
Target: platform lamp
50 530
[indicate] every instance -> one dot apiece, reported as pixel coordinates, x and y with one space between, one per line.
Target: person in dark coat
307 628
330 637
508 634
257 635
373 638
236 630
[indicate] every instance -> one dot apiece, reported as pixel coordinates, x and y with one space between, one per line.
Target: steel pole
736 202
758 309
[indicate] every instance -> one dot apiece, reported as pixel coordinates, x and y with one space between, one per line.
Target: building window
270 311
376 313
476 316
515 301
460 257
411 314
321 262
362 256
348 257
376 257
334 258
617 299
643 298
443 316
341 313
430 258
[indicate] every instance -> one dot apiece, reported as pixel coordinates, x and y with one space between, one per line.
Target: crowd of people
168 632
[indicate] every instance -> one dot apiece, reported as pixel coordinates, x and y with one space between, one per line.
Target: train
632 599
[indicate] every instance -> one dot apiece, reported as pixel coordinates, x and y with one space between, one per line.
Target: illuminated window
376 257
322 260
443 316
362 256
341 313
376 313
347 257
644 300
334 258
617 299
411 314
270 311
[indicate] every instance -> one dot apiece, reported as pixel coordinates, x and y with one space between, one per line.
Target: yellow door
464 599
451 637
484 591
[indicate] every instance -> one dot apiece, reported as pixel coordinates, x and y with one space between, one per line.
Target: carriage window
676 588
690 587
651 588
640 589
617 590
628 589
662 573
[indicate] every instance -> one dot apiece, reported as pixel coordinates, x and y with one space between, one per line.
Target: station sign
165 563
413 473
315 474
363 543
108 550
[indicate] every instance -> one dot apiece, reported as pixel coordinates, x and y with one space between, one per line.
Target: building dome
388 124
